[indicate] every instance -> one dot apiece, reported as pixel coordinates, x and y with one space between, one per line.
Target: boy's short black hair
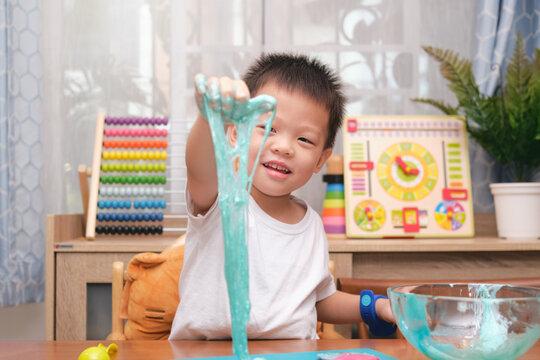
301 73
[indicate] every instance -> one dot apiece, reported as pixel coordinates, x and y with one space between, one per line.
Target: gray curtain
497 24
21 160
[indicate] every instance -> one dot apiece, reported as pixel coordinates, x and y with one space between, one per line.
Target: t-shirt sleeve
325 288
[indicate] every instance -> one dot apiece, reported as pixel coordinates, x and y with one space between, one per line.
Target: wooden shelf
432 245
157 244
115 245
486 240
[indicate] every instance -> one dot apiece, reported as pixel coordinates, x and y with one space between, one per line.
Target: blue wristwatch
376 326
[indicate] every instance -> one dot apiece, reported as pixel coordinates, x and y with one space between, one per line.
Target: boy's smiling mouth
277 169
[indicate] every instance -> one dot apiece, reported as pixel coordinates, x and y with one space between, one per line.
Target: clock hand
406 168
369 213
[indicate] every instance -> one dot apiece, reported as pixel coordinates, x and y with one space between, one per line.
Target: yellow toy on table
99 352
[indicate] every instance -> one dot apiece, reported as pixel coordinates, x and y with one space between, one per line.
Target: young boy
289 282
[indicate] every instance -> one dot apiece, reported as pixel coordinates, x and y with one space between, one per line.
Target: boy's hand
225 95
384 310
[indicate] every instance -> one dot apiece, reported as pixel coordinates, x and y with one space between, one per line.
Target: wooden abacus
127 194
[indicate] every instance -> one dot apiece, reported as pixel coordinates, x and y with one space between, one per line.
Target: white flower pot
517 209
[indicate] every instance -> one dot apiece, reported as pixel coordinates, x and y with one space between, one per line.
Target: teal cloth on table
311 355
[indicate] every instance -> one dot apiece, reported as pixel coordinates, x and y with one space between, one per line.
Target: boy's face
294 149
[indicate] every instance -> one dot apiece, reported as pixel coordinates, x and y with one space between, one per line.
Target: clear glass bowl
468 321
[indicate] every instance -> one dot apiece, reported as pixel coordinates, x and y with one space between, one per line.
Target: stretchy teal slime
234 185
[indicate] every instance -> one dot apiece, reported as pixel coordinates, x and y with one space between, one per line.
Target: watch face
366 300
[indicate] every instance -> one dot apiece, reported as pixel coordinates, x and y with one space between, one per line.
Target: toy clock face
369 215
407 171
450 215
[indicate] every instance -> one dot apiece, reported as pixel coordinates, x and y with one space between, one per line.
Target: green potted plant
507 126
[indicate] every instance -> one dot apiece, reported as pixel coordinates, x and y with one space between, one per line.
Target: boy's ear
322 160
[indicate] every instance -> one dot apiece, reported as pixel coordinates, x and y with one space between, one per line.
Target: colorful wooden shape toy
333 213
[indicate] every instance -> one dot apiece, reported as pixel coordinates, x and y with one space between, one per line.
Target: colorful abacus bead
134 167
114 204
128 230
125 151
153 216
111 120
115 132
149 204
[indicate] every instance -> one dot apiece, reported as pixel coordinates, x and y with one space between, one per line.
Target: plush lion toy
150 294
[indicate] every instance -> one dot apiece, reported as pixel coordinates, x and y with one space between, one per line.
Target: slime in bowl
468 321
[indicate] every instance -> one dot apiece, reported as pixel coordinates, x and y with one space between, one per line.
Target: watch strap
377 327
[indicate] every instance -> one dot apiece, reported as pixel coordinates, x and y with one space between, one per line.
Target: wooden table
135 350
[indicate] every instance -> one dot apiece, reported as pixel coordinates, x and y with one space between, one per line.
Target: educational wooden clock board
407 176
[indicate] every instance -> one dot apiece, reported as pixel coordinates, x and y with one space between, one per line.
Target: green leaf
442 106
536 62
506 124
518 77
459 73
534 91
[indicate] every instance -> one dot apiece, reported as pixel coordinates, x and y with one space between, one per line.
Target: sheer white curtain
21 154
110 56
376 48
137 57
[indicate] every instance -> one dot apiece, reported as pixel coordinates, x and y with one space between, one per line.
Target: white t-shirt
288 274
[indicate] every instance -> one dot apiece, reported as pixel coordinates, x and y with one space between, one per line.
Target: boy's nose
281 147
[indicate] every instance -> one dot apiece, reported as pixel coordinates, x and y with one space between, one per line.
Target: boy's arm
201 166
200 161
344 308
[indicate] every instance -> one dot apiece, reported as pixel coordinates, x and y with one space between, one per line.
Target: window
139 57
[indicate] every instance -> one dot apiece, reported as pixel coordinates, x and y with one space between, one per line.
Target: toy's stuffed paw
150 295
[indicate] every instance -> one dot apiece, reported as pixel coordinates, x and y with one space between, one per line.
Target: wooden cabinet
74 264
484 256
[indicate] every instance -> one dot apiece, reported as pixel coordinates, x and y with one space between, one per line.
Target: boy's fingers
241 96
200 84
226 87
213 93
224 94
213 87
241 91
200 88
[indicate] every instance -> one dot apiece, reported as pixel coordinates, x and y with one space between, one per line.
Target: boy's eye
306 140
272 130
